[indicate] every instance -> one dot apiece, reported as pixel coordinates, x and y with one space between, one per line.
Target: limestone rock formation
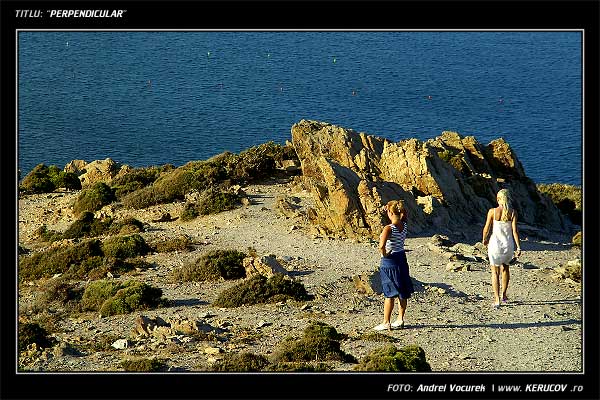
447 183
96 171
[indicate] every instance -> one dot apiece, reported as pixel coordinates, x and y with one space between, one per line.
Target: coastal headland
125 268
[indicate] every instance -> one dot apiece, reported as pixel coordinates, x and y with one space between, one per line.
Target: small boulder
266 265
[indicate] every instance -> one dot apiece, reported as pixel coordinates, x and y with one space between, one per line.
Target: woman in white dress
501 244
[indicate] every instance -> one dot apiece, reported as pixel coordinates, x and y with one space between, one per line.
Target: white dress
501 247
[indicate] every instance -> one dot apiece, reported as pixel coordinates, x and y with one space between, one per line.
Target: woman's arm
383 238
516 233
488 224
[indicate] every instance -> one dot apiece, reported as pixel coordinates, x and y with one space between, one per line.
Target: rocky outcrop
447 183
96 171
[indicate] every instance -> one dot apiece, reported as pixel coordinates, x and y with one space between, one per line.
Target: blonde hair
396 207
505 201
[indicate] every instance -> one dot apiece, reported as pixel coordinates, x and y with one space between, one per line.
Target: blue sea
149 98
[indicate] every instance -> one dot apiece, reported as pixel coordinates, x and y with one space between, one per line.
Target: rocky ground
450 316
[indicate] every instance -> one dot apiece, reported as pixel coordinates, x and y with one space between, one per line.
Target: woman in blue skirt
395 278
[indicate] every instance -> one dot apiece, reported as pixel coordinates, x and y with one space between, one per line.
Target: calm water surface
150 98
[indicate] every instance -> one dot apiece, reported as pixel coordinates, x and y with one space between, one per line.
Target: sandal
496 305
383 327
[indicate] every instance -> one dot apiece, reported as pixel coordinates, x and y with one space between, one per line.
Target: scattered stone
212 350
266 266
566 328
121 344
165 217
457 266
144 326
262 323
368 284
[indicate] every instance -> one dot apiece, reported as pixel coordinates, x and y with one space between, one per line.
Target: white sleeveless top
395 241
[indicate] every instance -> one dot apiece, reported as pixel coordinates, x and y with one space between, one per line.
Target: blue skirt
395 278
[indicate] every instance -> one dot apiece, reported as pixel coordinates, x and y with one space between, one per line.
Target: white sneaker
397 324
383 327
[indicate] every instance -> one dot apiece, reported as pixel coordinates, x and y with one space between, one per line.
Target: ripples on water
150 98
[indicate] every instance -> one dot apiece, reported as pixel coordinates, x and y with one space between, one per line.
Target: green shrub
132 296
112 298
390 359
445 155
255 163
43 179
143 365
62 179
221 170
137 179
180 243
37 181
126 226
259 289
62 291
377 337
189 212
320 342
47 235
174 185
32 332
241 362
94 198
85 268
88 226
568 199
212 265
125 246
214 201
98 267
297 366
56 260
97 292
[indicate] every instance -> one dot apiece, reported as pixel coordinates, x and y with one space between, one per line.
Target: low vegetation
85 259
57 260
391 359
138 178
143 365
179 243
86 226
112 298
93 199
212 265
43 179
568 199
32 332
125 246
241 362
320 342
220 171
258 289
212 201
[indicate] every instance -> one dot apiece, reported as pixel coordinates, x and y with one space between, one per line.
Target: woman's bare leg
505 279
496 283
388 307
402 303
